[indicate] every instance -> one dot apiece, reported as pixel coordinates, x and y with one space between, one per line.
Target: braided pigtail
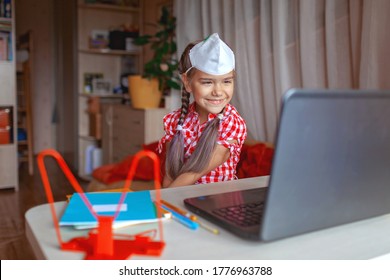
201 156
175 155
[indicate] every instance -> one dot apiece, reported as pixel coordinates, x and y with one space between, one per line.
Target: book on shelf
4 44
10 53
5 8
137 208
5 26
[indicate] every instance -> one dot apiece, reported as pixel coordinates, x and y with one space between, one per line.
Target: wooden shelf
109 52
24 95
7 20
107 7
113 96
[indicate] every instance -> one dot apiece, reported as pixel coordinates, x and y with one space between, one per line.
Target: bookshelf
102 60
24 69
8 109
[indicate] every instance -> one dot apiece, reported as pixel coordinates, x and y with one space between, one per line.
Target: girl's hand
166 181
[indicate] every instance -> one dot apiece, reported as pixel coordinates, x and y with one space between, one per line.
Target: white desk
360 240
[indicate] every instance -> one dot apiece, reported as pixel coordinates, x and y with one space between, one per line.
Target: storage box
5 135
95 126
4 46
4 117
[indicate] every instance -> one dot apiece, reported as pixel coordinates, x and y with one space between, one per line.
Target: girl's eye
228 81
206 83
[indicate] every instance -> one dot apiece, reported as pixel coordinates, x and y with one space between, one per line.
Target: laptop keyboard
244 215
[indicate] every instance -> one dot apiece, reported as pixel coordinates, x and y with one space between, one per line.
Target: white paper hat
212 56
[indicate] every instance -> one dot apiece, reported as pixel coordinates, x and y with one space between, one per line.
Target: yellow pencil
210 229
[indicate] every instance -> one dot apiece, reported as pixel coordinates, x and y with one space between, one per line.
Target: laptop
331 166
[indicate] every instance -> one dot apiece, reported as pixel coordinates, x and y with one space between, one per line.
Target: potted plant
160 72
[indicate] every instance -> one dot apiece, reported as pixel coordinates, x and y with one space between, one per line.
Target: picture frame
101 86
88 78
98 39
98 34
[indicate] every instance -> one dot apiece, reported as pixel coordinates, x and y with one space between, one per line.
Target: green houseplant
163 65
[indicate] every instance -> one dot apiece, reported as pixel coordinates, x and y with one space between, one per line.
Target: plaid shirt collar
192 112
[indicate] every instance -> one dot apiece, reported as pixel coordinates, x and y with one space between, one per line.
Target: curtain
283 44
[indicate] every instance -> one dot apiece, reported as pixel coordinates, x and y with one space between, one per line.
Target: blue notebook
138 207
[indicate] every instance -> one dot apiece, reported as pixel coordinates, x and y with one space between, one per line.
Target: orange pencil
180 211
190 216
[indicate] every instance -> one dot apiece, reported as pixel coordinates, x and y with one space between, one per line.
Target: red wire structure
101 242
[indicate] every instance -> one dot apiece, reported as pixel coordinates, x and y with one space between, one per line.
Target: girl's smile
216 101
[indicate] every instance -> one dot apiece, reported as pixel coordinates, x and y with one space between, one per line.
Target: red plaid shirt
232 127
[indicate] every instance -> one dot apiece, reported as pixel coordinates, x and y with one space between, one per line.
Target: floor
14 204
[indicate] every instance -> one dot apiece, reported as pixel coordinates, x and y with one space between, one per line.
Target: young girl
204 138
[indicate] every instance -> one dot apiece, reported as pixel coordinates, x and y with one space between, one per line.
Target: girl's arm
166 181
220 155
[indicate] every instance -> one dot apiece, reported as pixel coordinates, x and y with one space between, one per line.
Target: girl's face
211 93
